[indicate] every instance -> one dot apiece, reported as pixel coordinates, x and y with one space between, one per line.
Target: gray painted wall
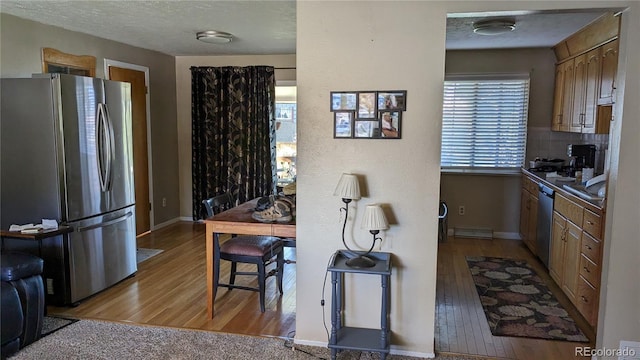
21 44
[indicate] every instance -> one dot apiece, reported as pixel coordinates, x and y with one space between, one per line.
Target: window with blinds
484 124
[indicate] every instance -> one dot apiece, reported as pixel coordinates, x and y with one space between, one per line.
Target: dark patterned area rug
518 303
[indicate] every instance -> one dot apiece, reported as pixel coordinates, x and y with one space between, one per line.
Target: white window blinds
484 121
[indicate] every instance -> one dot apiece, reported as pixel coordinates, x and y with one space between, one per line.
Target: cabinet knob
584 299
589 222
588 247
587 270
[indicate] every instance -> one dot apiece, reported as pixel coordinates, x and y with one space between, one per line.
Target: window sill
476 171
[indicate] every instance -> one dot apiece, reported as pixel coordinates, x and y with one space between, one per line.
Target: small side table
353 338
39 236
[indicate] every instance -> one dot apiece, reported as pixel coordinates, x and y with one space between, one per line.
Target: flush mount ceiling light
494 26
214 37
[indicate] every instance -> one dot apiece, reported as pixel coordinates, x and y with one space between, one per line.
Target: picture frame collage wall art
368 114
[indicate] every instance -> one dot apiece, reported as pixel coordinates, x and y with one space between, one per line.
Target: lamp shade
374 218
348 187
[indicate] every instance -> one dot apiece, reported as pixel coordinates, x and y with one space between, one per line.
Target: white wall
620 298
400 45
183 96
365 46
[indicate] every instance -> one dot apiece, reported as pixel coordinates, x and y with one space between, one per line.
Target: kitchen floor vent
473 233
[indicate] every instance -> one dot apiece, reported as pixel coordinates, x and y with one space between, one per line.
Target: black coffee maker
582 156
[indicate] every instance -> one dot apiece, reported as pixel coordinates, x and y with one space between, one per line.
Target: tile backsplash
544 143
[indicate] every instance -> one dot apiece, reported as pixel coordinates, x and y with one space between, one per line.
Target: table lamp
348 189
374 221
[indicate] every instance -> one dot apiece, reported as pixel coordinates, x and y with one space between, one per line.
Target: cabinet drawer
530 185
591 248
587 301
568 209
590 271
592 223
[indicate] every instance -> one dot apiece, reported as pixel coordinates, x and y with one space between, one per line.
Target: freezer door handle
106 223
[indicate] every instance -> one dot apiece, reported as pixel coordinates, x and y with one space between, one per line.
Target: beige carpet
89 339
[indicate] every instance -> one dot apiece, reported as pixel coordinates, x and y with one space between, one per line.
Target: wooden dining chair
253 249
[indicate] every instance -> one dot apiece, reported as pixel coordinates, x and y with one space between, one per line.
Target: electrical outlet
461 210
164 202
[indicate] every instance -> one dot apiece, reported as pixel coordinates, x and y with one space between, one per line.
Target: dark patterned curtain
233 133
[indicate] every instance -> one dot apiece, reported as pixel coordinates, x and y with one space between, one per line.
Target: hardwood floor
461 325
170 289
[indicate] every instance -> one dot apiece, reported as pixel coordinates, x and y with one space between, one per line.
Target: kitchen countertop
555 184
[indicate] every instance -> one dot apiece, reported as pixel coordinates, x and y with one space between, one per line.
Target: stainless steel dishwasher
545 222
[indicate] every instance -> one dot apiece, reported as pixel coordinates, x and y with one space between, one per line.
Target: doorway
138 77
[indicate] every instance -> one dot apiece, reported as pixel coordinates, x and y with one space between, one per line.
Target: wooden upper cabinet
579 87
609 67
591 92
567 95
585 78
558 96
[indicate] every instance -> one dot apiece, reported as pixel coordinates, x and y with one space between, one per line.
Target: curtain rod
284 68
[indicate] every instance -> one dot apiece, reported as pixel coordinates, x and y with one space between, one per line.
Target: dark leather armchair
23 301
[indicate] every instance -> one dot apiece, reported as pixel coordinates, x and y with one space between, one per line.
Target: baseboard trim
166 223
497 235
507 235
393 350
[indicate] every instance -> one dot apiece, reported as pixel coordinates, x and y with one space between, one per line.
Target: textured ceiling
532 30
170 27
259 27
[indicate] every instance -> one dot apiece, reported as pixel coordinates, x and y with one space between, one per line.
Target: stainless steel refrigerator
67 153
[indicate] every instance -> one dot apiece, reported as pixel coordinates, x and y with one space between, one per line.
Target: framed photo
390 124
343 124
392 100
341 101
367 129
367 105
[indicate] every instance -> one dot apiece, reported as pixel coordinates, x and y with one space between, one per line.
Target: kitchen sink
583 192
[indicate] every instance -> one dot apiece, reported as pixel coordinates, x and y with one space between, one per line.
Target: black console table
353 338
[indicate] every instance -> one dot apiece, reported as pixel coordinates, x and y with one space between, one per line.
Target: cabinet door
571 262
533 222
557 248
579 88
558 95
567 96
524 214
608 73
592 82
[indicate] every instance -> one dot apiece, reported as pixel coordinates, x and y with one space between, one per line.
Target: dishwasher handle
546 191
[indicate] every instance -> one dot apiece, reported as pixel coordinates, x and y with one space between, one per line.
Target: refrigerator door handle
106 223
111 147
100 143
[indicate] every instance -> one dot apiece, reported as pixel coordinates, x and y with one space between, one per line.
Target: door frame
120 64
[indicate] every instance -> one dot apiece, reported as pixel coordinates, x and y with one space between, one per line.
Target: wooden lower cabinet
571 261
557 248
564 263
576 255
587 301
529 213
575 258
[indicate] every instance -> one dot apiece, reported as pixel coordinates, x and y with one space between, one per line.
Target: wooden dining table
238 220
